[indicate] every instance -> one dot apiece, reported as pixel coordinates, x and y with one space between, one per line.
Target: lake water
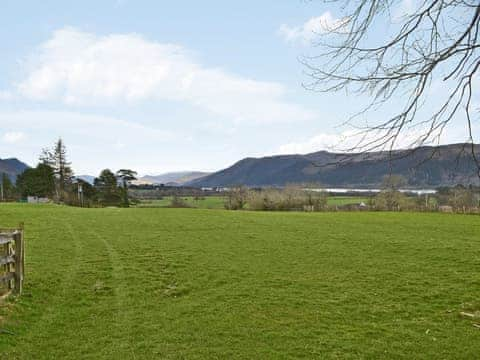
365 191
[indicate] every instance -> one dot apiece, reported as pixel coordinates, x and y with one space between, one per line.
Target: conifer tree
57 159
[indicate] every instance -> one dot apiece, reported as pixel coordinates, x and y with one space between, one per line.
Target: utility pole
1 189
80 193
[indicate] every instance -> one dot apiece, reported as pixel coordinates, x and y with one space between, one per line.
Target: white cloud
5 95
348 140
315 143
307 32
13 137
80 68
119 145
92 126
120 3
93 142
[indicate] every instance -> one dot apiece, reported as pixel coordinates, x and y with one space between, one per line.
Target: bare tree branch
438 43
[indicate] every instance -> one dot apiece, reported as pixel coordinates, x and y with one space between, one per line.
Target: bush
178 202
289 198
460 198
393 200
236 198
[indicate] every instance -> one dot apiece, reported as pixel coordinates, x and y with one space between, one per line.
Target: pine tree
7 187
38 181
106 186
57 159
126 176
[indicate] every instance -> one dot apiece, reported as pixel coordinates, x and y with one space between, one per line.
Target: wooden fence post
6 252
19 260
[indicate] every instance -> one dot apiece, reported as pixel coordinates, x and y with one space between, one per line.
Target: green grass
217 202
202 284
207 202
346 200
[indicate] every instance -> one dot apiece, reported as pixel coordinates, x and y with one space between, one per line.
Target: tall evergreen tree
126 176
57 159
106 185
39 181
7 188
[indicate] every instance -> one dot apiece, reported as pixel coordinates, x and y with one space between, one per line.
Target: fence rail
12 261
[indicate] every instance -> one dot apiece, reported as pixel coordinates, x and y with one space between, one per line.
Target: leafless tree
437 44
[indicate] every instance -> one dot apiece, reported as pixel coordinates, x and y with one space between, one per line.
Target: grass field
202 284
207 202
346 200
217 202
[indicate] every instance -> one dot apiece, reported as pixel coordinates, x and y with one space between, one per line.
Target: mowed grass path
203 284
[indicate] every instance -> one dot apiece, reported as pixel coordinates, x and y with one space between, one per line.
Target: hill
424 166
88 178
172 178
12 167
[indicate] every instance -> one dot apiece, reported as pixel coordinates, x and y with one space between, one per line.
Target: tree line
294 197
53 178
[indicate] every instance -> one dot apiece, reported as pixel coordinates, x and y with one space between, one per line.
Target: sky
159 86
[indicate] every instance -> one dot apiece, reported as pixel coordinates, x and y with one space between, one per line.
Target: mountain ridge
177 178
12 167
433 166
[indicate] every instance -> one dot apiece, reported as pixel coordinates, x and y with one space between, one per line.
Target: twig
469 315
5 331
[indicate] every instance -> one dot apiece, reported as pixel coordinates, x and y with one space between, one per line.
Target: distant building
445 209
37 200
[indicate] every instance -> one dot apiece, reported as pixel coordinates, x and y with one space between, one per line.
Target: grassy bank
192 283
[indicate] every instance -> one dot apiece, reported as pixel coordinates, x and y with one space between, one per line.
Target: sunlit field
193 283
207 202
218 202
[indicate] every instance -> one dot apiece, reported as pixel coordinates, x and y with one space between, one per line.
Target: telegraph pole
80 193
1 188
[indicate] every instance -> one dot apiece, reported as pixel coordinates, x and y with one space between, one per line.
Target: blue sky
161 86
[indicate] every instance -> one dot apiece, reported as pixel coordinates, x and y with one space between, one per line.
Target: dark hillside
424 167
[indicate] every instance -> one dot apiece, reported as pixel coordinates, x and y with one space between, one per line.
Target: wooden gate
12 260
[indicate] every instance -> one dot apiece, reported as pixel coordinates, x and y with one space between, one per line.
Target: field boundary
12 261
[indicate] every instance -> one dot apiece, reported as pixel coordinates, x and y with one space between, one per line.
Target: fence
12 260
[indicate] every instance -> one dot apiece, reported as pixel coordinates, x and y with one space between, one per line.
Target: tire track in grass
88 302
122 316
143 280
75 316
50 312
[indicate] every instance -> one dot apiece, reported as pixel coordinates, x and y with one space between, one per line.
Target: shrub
178 202
393 200
289 198
236 198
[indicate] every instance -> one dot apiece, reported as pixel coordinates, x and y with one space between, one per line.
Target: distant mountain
172 178
88 178
12 167
422 167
